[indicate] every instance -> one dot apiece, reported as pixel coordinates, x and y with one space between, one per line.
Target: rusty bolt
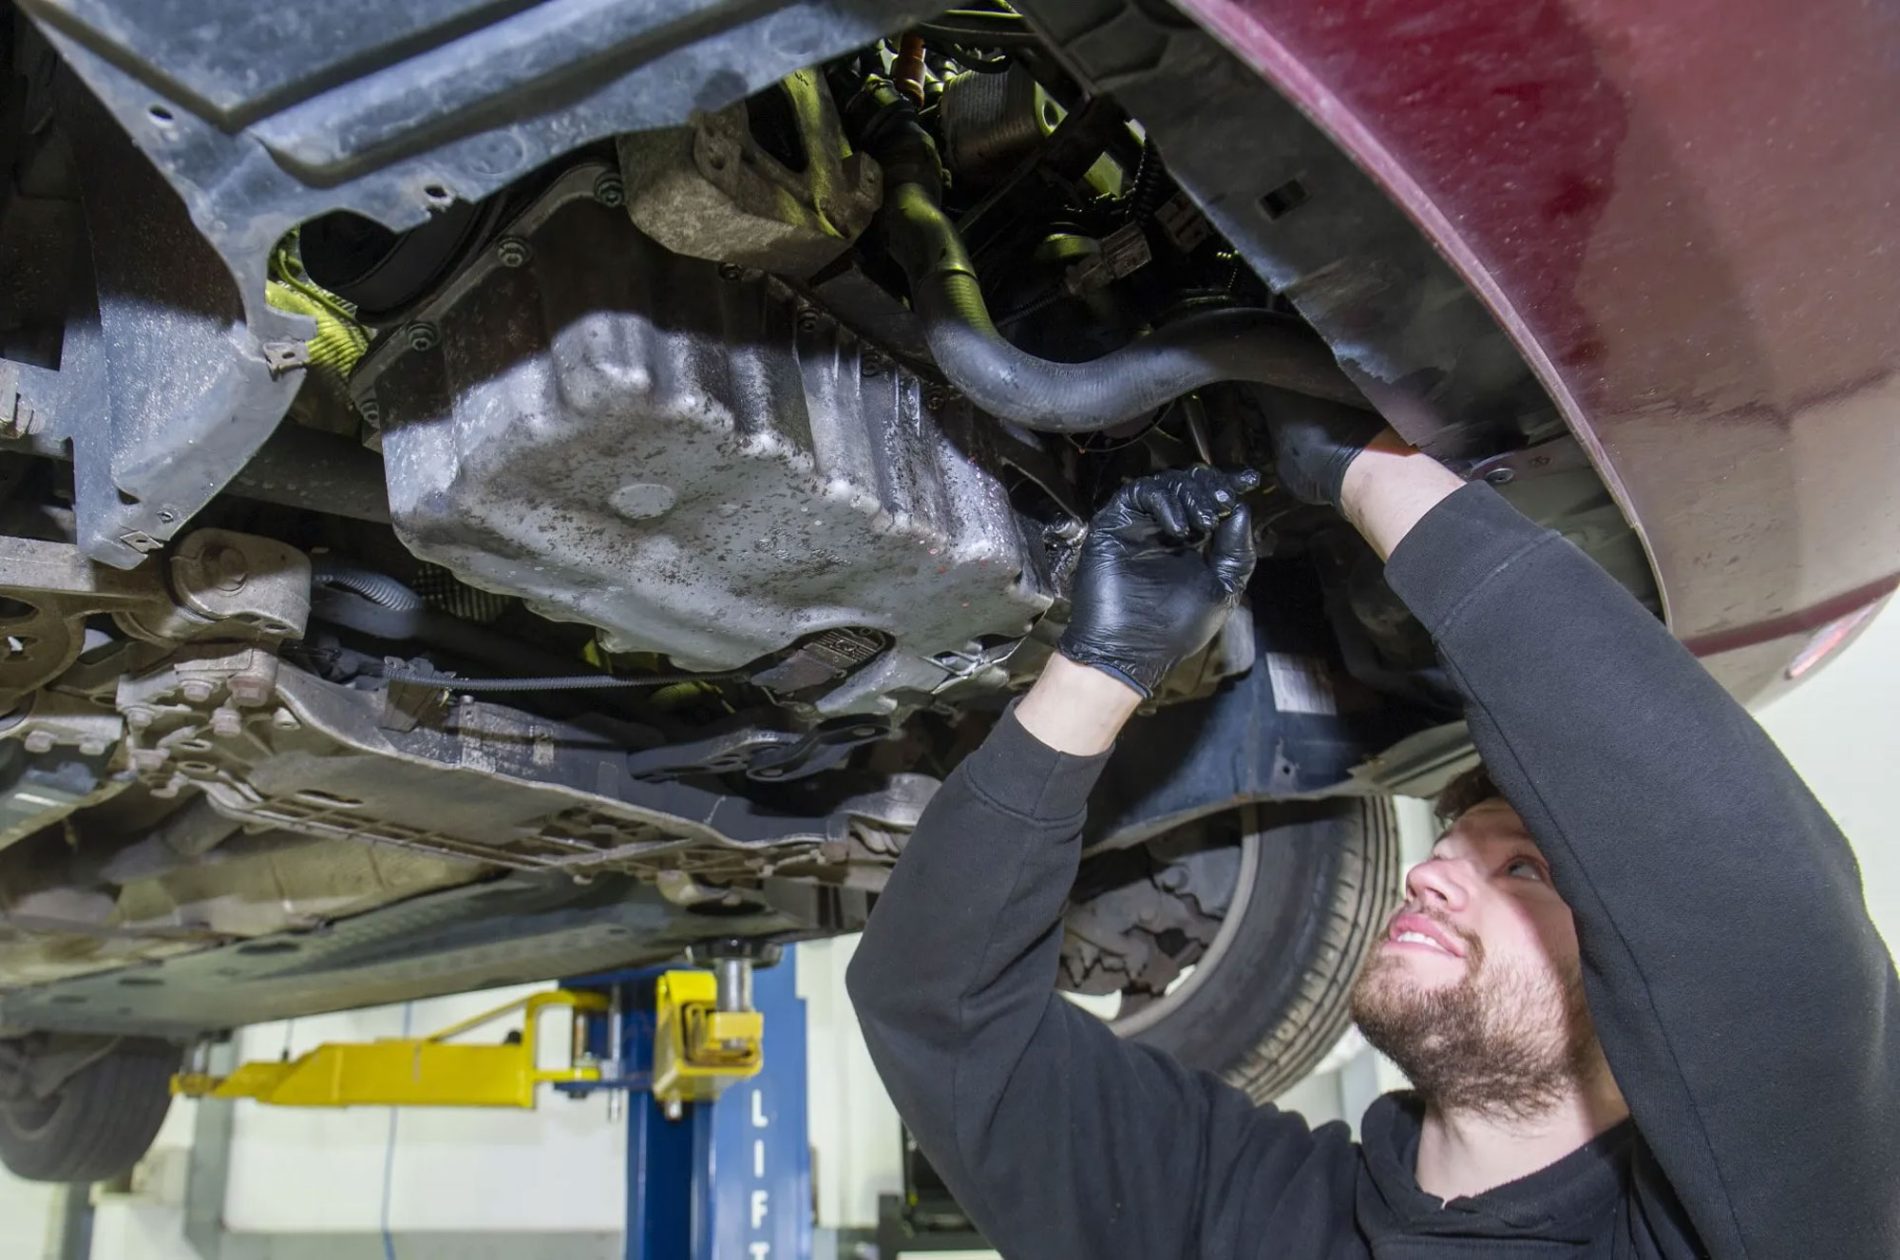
197 690
423 336
609 191
512 251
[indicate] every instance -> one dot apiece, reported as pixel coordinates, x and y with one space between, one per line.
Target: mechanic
1635 985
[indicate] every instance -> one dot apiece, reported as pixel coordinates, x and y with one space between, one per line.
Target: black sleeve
1057 1138
1743 997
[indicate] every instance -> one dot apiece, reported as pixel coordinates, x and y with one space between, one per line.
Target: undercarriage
627 494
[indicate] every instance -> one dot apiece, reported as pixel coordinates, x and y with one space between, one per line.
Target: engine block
685 456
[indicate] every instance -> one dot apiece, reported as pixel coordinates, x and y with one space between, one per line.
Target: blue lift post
729 1180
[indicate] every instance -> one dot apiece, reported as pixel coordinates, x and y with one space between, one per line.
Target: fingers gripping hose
1226 345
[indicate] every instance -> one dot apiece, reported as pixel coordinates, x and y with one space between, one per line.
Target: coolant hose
1052 397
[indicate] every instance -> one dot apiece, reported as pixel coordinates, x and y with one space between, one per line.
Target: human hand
1165 561
1314 442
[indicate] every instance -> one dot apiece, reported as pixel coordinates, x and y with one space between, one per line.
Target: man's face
1475 989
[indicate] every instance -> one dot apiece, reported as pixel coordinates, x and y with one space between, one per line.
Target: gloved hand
1314 441
1166 559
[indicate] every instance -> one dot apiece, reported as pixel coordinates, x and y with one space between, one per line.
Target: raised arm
1058 1138
1744 999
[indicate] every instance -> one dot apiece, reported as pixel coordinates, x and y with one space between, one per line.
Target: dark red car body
1684 214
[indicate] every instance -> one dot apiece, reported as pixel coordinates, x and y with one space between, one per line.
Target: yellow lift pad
698 1049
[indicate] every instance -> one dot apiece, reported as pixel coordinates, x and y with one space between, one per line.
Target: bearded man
1634 986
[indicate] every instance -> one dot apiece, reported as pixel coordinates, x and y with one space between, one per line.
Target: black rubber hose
1051 397
378 588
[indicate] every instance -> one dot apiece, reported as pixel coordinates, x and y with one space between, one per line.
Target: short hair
1471 787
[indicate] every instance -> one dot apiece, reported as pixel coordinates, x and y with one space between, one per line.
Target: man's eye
1525 868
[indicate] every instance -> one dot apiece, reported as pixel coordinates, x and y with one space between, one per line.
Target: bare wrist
1390 487
1076 709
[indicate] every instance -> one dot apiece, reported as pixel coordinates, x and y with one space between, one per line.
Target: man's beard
1503 1041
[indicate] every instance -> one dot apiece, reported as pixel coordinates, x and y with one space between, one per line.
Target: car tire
1272 996
98 1122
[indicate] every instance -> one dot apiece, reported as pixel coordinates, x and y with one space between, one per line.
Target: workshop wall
27 1214
1841 729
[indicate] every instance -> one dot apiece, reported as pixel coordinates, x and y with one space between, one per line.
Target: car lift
717 1160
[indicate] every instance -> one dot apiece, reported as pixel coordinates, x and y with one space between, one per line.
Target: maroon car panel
1684 214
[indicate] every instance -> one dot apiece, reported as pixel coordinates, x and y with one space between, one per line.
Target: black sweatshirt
1744 999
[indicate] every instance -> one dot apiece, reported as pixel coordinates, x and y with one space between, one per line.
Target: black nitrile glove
1165 561
1313 441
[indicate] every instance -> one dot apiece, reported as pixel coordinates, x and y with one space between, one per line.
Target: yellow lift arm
427 1071
703 1040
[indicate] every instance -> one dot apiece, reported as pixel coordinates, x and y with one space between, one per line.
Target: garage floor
550 1183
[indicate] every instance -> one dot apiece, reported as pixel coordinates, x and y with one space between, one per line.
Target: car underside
489 498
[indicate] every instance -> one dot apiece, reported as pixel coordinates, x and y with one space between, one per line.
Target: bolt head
226 723
512 251
423 336
610 191
1500 476
196 690
248 690
226 569
39 741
